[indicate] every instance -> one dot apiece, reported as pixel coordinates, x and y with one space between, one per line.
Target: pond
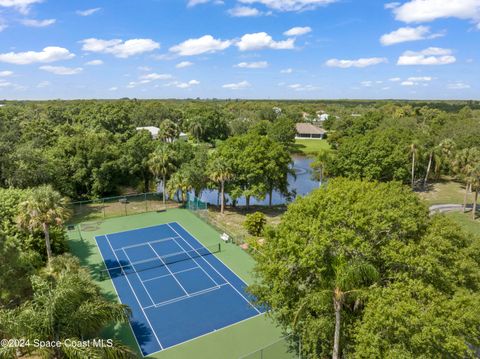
299 185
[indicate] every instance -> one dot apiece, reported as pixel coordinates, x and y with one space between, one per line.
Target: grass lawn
310 147
232 342
447 191
232 220
466 222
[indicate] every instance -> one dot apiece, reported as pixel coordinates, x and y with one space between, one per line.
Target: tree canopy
373 246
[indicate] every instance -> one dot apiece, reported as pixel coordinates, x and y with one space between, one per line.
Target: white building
152 129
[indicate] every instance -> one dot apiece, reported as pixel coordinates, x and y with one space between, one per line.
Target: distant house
183 136
152 129
307 130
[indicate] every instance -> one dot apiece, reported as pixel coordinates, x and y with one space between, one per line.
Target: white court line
144 243
118 297
211 332
178 234
193 259
181 286
169 275
185 297
138 276
135 295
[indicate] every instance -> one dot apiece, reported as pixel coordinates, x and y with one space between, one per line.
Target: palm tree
219 172
43 208
319 165
66 305
414 154
463 165
168 130
475 184
443 153
179 182
162 165
350 280
196 129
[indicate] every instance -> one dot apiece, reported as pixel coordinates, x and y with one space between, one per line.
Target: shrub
255 223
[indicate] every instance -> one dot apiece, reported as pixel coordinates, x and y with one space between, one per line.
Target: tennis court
177 288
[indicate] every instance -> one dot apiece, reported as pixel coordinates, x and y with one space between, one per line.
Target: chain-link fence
281 349
200 209
126 205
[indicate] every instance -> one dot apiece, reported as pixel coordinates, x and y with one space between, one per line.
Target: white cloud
391 5
38 23
300 87
144 68
4 83
395 79
290 5
23 6
417 81
298 31
421 79
405 34
3 25
185 85
192 3
183 64
262 40
430 10
253 65
48 54
458 86
88 12
201 45
6 73
154 76
94 63
114 88
120 48
62 70
237 86
43 84
286 71
244 11
363 62
430 56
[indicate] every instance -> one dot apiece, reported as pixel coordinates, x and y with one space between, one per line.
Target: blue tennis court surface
176 288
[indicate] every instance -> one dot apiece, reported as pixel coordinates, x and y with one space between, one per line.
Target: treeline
91 149
414 146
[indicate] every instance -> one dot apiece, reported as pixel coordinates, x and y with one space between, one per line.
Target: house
183 136
307 130
152 129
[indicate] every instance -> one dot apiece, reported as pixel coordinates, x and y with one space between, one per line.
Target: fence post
146 202
125 202
103 207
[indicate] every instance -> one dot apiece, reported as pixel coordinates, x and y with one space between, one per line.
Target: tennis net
124 267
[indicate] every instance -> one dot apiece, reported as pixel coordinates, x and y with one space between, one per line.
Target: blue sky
292 49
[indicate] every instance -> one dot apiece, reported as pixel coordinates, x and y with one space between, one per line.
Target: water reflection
301 185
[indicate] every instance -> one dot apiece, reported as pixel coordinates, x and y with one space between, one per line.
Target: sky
252 49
